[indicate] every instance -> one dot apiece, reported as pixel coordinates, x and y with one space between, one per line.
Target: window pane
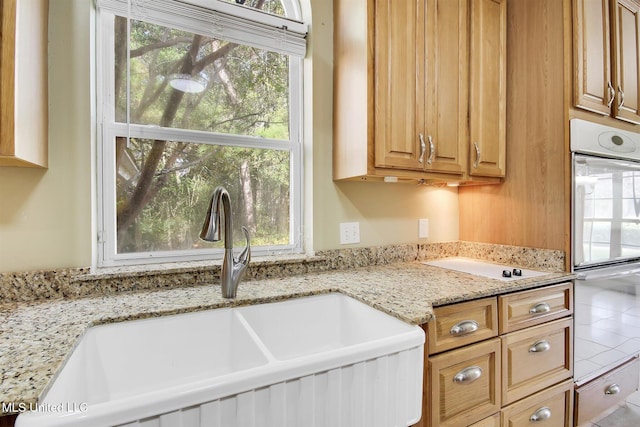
164 187
630 239
183 80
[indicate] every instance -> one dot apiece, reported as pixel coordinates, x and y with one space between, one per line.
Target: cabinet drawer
552 407
464 384
535 358
492 421
461 324
528 308
607 391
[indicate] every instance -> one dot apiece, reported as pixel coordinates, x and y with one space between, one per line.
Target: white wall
46 216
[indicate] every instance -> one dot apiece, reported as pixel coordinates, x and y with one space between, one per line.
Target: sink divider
254 336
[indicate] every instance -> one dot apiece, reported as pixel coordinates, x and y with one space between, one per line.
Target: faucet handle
245 255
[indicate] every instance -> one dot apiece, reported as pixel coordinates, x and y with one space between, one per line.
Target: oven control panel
593 138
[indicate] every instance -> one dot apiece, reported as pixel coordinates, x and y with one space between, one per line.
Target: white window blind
224 21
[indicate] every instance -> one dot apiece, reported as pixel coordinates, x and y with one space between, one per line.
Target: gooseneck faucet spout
232 269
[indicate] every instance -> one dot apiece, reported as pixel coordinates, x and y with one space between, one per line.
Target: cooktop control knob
506 273
517 272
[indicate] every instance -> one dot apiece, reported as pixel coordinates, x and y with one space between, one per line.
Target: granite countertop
36 337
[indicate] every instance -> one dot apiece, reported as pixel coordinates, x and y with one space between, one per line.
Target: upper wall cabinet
23 83
607 51
488 87
420 90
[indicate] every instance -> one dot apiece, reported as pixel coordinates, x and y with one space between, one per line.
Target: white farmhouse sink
326 360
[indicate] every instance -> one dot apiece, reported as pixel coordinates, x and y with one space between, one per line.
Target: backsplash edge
82 282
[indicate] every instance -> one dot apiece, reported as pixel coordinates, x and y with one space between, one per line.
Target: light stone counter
36 337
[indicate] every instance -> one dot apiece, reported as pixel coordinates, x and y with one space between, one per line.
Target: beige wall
46 216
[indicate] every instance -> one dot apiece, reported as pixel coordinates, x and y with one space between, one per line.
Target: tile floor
607 332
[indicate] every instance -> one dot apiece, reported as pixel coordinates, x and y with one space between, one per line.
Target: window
194 95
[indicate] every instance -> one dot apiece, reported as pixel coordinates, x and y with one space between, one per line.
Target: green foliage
246 94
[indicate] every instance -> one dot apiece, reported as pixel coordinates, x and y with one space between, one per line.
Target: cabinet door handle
464 327
541 414
477 162
540 308
432 150
612 94
621 92
540 347
423 149
468 375
612 389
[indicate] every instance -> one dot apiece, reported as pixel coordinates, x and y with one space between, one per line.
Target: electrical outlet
349 233
423 228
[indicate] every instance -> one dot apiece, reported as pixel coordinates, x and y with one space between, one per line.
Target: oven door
606 211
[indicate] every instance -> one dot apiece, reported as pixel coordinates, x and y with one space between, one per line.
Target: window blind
224 21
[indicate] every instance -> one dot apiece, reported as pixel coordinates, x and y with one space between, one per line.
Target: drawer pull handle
468 375
540 308
541 414
540 347
465 327
612 389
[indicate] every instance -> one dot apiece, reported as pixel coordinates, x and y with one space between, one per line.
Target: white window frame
108 129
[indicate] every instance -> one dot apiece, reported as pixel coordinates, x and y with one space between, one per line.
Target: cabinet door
488 75
593 85
626 36
447 101
24 112
399 84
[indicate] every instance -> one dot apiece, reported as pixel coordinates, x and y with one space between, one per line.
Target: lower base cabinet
596 398
464 384
492 421
552 407
501 361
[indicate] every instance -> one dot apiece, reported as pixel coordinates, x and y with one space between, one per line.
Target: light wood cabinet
461 324
399 64
402 80
488 87
595 398
492 421
529 308
551 408
23 83
607 51
471 372
465 385
447 87
626 42
535 358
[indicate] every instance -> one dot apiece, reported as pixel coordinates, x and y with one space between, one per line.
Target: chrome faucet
232 270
